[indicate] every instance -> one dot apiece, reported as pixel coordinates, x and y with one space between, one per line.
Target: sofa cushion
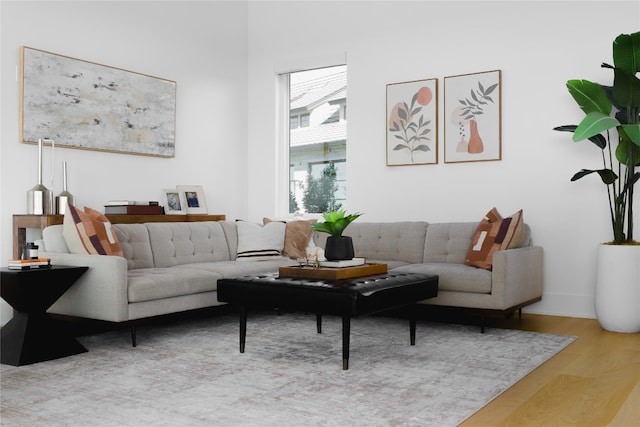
177 243
297 236
89 232
147 284
494 233
234 269
258 242
453 277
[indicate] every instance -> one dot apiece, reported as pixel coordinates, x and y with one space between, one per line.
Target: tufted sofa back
187 242
136 248
397 241
449 242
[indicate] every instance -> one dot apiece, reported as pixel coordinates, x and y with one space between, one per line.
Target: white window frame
282 72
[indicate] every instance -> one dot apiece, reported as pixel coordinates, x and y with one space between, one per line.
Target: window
293 122
304 120
317 139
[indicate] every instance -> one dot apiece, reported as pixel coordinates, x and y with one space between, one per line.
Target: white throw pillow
260 242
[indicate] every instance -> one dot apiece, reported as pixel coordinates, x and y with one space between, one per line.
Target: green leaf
633 132
626 89
607 175
589 96
335 222
565 128
422 148
599 140
625 148
626 52
400 147
594 123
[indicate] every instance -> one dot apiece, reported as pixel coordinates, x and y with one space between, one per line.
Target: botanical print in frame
472 108
194 197
175 202
412 122
85 105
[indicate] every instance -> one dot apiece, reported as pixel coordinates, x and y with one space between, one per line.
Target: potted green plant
612 123
338 247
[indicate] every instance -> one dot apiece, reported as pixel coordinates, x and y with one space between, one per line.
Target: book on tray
28 264
343 263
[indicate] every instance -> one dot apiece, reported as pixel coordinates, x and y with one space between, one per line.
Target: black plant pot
338 248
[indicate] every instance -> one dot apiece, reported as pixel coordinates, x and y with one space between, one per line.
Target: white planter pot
617 295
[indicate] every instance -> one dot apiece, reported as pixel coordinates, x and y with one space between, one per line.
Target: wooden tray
337 273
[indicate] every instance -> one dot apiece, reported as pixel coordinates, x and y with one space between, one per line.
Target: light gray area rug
190 373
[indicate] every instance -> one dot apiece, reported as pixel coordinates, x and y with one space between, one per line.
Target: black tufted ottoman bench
346 298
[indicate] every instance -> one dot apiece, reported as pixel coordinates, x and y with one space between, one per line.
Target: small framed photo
175 202
194 198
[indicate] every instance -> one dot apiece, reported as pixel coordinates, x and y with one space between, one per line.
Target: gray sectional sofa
174 267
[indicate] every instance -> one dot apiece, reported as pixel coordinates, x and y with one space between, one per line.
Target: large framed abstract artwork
81 104
472 108
412 123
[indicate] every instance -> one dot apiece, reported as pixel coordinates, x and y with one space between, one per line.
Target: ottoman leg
243 327
346 332
412 330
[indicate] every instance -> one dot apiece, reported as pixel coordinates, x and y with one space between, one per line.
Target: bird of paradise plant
616 132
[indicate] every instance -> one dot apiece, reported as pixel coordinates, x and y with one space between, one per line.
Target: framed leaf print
472 108
412 123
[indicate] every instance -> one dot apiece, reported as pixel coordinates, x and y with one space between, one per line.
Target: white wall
200 45
537 45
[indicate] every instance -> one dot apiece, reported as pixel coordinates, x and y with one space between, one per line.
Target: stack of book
343 263
29 264
132 207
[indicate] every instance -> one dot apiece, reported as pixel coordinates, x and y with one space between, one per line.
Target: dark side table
33 335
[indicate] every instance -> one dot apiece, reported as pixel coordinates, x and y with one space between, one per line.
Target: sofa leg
520 313
133 336
482 324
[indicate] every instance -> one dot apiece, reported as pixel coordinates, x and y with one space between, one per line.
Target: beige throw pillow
296 237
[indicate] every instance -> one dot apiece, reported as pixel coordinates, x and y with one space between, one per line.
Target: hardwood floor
593 382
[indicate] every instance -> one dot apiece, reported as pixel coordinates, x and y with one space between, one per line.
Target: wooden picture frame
194 198
85 105
473 123
412 123
175 202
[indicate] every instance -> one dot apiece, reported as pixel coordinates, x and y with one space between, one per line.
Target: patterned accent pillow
89 232
260 242
495 233
297 236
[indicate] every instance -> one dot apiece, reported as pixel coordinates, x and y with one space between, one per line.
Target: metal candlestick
40 198
65 198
